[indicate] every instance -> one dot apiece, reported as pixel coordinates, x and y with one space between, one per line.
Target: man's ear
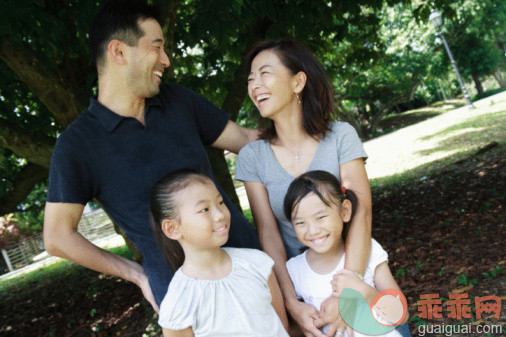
170 228
346 209
299 82
116 52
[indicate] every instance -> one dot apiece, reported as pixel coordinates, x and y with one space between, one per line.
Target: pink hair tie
343 189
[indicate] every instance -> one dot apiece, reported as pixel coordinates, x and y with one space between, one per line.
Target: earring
298 98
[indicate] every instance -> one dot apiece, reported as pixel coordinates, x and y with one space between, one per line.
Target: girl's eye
250 79
221 202
264 72
322 217
204 210
298 223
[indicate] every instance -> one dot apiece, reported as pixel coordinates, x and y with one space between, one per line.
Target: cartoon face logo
389 307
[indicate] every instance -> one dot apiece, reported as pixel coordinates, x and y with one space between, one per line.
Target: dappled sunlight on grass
440 140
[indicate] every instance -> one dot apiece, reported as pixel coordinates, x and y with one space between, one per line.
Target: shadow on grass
398 121
469 135
428 170
495 120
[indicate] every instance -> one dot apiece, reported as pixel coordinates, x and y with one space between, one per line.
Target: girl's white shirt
315 288
238 304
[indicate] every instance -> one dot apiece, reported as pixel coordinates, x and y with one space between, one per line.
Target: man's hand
305 314
141 280
148 294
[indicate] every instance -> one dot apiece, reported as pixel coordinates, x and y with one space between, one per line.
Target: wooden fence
93 226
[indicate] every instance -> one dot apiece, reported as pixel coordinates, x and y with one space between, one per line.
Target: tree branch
36 149
43 82
29 175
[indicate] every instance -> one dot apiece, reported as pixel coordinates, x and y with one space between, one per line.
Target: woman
291 89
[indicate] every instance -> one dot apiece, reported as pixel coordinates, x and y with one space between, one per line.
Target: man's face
146 61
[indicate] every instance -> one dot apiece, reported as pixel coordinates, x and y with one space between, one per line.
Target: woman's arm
272 244
383 279
358 242
188 332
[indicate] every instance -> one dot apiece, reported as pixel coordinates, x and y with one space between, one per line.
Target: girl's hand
346 278
329 315
305 314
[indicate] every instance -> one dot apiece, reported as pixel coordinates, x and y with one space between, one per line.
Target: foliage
377 53
477 37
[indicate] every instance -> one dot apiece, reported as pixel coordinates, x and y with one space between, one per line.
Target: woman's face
271 85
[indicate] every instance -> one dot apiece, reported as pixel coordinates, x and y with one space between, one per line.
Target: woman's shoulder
340 127
258 146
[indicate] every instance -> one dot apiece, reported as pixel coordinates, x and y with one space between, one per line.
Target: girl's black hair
164 205
316 97
326 186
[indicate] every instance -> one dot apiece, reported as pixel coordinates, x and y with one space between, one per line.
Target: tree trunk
221 173
477 83
442 90
59 98
29 175
499 77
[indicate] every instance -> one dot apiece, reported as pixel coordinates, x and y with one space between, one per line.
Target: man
135 131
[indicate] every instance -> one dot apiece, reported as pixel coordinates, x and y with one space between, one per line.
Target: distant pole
6 258
435 18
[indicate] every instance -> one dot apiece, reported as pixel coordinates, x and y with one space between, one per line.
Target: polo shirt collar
110 119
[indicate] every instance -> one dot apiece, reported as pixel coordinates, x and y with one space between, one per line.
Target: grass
53 270
436 144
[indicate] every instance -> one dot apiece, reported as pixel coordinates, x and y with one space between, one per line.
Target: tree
476 37
47 76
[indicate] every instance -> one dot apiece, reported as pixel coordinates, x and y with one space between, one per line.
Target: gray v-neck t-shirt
256 162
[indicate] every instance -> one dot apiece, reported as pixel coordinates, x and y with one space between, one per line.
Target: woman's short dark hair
316 97
324 185
118 19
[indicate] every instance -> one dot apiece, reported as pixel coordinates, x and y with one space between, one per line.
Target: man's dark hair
118 19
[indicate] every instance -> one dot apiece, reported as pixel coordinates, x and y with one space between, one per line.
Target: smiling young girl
320 211
215 291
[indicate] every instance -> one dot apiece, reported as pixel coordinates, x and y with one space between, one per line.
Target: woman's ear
170 228
346 209
299 82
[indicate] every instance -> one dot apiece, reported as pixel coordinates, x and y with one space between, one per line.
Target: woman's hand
305 315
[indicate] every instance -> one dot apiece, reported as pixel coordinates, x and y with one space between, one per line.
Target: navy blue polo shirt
117 160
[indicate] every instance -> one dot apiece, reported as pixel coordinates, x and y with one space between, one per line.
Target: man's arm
62 239
234 137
